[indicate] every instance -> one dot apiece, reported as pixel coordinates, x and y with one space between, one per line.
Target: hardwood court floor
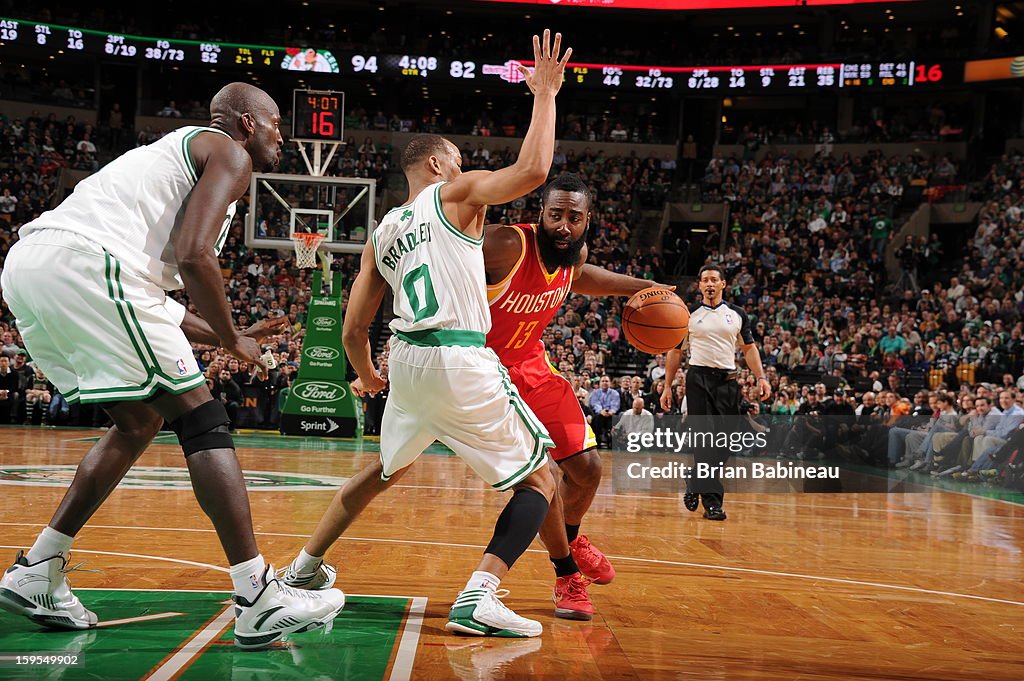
798 586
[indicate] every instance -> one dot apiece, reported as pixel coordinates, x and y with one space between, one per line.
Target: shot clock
318 115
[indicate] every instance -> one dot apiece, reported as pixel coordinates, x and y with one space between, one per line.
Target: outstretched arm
464 196
591 280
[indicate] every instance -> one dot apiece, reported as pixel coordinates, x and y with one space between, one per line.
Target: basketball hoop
306 244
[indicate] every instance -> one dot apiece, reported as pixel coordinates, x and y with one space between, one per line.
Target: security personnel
716 329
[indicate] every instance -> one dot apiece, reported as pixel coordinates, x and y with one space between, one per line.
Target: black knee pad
203 428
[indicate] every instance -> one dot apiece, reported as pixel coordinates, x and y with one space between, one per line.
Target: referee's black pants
712 405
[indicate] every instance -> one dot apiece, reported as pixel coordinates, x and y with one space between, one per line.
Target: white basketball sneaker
279 610
480 612
322 577
41 592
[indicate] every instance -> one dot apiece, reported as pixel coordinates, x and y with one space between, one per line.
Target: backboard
341 208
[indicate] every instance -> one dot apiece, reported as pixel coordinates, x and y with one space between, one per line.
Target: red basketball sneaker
571 599
591 562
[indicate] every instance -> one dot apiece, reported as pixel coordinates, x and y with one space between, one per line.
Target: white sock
482 580
305 563
48 544
248 577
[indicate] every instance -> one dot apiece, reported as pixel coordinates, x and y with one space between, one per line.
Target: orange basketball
655 320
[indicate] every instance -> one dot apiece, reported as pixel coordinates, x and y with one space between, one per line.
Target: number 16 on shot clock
318 115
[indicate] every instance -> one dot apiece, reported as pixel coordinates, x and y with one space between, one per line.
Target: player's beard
552 256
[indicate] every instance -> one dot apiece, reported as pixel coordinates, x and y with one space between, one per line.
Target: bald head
235 99
249 115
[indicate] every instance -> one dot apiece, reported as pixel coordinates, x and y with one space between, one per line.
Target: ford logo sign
321 392
324 322
321 352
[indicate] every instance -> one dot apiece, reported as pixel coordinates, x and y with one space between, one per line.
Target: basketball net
306 244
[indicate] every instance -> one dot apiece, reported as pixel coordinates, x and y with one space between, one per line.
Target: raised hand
547 75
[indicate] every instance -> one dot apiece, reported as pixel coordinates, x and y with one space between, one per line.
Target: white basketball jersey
435 271
134 204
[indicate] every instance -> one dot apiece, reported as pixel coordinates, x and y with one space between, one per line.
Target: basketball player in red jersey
530 271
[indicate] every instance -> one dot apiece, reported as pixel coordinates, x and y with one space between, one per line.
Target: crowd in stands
803 255
513 121
936 122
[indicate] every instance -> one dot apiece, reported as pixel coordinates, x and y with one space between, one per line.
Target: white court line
406 656
137 555
183 657
140 618
208 591
418 542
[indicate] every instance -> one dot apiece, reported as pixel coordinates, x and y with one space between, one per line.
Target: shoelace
285 571
296 593
78 568
578 586
501 607
74 568
587 550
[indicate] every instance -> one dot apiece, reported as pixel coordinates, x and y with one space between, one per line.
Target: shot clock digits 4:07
318 116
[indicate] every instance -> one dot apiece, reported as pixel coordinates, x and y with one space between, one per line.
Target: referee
712 393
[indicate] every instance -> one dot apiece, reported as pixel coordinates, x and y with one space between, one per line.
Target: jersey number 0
420 292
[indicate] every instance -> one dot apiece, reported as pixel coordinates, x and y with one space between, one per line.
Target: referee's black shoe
714 513
691 501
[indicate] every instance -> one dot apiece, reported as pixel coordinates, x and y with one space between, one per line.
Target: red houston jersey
524 302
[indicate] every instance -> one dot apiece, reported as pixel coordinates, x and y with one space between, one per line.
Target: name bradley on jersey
406 243
526 303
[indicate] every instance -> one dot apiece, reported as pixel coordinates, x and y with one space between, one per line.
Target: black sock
517 525
571 532
564 566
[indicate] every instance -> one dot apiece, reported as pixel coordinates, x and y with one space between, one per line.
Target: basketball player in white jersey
87 285
445 384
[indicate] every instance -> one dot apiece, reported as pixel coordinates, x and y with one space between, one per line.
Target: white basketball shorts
463 397
99 333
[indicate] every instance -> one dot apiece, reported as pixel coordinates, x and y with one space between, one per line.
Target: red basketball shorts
551 398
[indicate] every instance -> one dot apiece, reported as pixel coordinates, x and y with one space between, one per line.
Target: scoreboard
57 42
767 78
